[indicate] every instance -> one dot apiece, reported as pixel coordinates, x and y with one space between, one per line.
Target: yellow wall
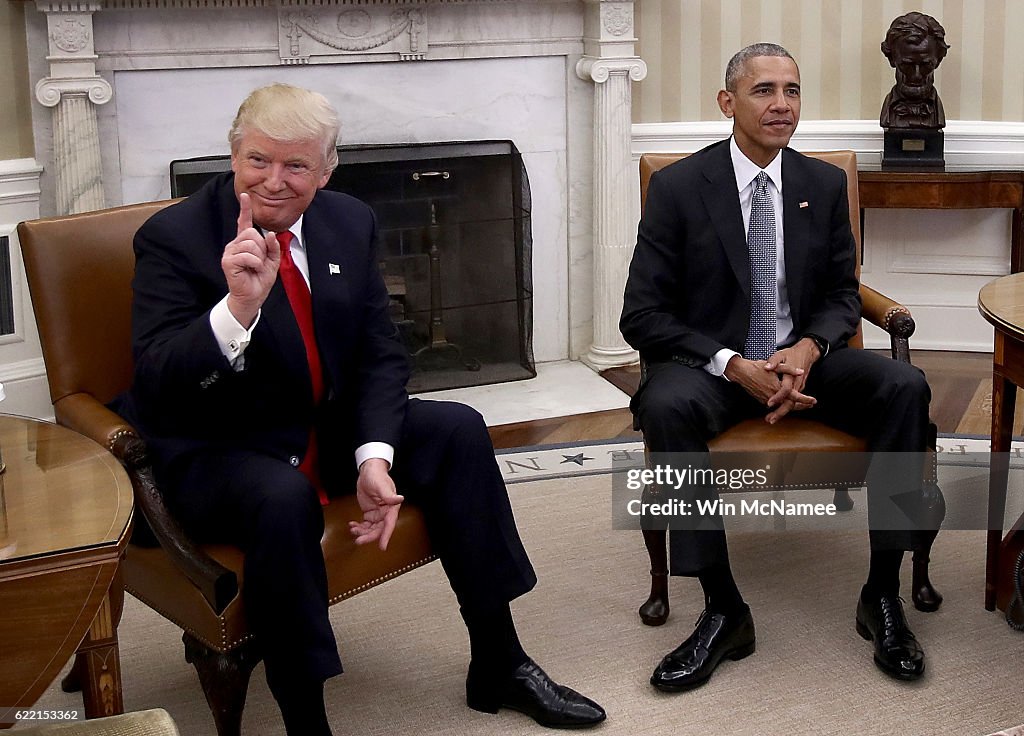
15 111
686 44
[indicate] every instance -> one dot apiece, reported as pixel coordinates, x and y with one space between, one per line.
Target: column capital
49 90
598 70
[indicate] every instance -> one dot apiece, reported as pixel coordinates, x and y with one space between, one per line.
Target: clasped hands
778 382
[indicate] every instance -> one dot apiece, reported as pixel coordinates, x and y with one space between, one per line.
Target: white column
73 90
610 62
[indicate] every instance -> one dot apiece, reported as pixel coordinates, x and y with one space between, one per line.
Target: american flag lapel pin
804 205
333 268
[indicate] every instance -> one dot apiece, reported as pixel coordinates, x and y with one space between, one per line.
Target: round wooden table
1001 302
65 518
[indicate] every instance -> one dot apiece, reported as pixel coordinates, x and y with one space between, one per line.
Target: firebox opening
455 251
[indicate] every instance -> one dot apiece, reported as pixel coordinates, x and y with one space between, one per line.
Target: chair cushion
798 453
150 576
792 434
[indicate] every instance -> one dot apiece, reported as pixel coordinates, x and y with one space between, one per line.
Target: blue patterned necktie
764 287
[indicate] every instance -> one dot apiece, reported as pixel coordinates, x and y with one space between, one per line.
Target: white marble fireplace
126 86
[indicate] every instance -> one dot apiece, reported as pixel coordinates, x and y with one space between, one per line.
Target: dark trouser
681 408
445 465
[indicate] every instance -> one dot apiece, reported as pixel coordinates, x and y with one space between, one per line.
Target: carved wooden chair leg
225 680
655 610
922 592
841 498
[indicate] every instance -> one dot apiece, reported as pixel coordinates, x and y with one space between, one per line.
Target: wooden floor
961 386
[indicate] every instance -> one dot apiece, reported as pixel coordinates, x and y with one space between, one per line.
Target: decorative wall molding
22 370
352 31
967 142
19 181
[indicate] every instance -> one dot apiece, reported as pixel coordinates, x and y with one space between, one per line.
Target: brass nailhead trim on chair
224 646
892 312
118 435
378 581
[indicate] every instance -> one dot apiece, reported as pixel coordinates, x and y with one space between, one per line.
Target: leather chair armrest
892 317
84 414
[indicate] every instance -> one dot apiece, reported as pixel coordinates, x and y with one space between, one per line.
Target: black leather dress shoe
897 652
529 690
715 637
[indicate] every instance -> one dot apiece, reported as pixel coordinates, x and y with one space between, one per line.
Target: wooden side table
961 189
65 518
1001 302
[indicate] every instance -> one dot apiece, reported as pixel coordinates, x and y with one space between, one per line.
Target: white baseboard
26 389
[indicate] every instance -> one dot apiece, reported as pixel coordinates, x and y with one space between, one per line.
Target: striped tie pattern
764 287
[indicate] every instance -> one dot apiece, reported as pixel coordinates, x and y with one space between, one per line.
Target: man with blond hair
269 377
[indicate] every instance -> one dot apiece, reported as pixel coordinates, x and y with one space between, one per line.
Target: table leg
101 682
1017 241
1004 394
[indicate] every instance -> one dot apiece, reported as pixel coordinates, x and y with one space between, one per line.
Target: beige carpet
405 650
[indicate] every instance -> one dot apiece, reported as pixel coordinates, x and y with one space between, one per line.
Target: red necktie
302 306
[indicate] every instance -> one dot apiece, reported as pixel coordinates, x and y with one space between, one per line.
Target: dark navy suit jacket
187 398
688 292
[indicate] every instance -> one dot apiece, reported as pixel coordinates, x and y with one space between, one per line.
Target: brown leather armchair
79 271
795 433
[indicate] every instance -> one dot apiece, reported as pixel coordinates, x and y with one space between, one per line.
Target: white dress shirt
233 339
746 172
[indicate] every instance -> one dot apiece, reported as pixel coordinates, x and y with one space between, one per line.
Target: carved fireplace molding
77 56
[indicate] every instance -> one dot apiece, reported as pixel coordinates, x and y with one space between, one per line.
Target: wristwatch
820 342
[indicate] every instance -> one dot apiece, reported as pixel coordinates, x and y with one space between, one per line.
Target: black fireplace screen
455 251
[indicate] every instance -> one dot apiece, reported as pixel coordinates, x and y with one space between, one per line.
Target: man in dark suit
269 376
741 297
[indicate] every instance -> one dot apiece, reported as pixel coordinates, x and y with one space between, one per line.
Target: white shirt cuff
231 337
716 366
370 450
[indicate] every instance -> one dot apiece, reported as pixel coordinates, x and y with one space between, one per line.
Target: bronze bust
915 45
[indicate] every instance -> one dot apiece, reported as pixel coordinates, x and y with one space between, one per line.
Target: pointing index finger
244 212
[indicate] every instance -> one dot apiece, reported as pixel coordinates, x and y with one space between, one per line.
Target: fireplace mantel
124 86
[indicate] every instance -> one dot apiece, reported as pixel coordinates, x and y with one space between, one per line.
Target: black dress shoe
716 637
897 652
529 690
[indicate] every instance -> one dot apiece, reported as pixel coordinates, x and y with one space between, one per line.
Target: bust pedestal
912 148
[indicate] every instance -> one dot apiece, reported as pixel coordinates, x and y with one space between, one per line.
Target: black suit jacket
186 397
688 291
